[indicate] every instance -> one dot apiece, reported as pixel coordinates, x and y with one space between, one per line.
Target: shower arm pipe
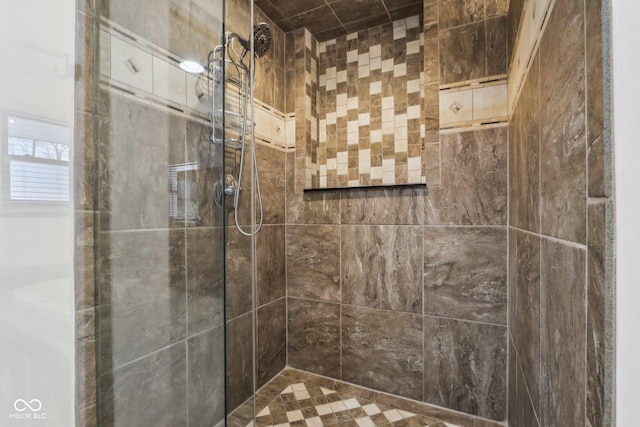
243 138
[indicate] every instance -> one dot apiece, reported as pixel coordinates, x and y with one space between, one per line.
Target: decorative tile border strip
136 68
477 104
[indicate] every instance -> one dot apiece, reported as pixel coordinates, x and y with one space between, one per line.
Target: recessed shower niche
360 122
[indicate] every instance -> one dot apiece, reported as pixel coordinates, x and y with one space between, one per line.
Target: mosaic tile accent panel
370 108
298 398
306 101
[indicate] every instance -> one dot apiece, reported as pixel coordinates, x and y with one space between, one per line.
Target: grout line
552 239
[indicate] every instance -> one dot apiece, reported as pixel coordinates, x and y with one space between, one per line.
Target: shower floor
297 398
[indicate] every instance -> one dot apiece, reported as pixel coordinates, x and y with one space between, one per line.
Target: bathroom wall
408 282
560 226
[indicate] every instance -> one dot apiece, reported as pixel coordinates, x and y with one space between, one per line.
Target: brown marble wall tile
85 360
149 391
474 180
239 350
496 7
562 342
513 25
525 415
271 345
137 145
462 53
524 156
309 208
206 370
527 306
85 260
205 279
388 344
84 163
466 368
270 262
142 294
85 53
453 13
382 267
465 272
271 166
238 273
512 279
383 206
313 262
512 383
289 59
599 264
314 336
496 45
562 119
599 153
264 79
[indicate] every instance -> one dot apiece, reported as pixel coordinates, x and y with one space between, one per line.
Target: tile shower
447 294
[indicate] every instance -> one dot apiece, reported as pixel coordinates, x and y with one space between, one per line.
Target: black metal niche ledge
369 187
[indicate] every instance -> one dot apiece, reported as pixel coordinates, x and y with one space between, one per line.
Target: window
39 154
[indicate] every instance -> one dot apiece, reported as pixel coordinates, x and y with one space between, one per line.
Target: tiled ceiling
328 19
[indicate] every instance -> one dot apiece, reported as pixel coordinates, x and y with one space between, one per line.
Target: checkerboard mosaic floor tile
297 398
301 405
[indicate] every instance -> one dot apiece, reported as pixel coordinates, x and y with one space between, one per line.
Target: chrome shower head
261 39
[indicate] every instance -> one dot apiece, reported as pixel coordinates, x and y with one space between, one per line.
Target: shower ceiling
328 19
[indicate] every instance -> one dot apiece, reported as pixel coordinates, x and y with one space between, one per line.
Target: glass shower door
160 346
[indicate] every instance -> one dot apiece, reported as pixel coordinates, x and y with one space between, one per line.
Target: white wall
626 94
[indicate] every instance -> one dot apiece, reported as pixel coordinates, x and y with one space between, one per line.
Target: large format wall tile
270 261
272 183
239 350
383 206
462 53
465 272
312 207
525 415
137 147
149 391
474 179
142 294
512 385
238 273
466 366
383 350
205 279
314 336
313 262
206 367
453 13
513 24
562 121
527 306
497 46
382 267
599 263
271 327
524 156
562 343
599 163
